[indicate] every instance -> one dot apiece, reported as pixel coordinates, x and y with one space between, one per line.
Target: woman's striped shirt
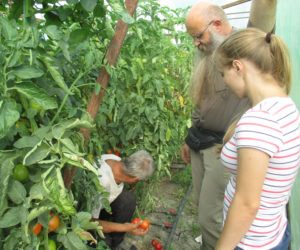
272 126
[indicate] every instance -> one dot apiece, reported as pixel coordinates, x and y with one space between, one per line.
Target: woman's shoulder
273 106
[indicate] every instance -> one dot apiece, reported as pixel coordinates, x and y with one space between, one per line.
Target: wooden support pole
225 6
103 78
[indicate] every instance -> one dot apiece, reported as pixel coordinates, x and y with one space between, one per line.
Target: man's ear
217 24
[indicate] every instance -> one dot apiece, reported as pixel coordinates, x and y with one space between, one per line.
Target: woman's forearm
239 219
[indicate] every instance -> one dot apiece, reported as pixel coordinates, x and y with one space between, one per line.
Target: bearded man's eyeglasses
199 36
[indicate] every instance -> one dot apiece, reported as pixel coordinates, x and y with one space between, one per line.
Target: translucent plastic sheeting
288 28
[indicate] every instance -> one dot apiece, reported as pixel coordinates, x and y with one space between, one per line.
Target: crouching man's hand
135 229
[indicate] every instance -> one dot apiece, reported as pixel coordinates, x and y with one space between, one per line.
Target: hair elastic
268 37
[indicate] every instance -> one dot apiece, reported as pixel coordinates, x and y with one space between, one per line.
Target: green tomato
35 106
51 245
20 173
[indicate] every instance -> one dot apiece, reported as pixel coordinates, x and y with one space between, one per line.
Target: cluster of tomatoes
53 224
145 223
114 151
156 244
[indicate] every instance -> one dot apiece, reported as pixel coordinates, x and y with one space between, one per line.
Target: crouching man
114 172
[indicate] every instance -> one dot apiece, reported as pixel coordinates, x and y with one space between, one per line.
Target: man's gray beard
214 43
205 73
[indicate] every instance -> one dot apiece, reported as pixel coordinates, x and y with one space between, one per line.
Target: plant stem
65 98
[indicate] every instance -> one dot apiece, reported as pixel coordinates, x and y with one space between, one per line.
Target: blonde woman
262 149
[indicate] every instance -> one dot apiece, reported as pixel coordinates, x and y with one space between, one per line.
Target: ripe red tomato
158 246
53 223
154 242
145 224
37 228
136 220
117 153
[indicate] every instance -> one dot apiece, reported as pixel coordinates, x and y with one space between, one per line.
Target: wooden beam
103 78
234 3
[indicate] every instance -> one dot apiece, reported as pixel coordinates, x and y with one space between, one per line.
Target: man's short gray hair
213 12
140 164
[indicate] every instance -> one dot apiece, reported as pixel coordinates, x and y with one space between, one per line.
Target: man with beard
215 109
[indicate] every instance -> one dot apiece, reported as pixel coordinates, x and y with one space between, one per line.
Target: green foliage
182 177
48 71
146 105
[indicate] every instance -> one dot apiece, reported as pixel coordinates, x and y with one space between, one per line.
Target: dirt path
162 219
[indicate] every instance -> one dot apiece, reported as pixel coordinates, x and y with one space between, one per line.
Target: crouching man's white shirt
106 180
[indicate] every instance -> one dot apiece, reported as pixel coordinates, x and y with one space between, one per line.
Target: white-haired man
215 108
114 172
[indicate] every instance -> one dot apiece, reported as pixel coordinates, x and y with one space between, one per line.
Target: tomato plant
48 72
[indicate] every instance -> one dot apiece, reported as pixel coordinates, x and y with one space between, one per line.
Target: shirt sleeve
259 130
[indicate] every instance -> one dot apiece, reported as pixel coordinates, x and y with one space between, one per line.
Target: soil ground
171 196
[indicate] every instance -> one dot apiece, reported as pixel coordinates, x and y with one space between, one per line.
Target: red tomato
154 242
145 224
136 220
158 246
37 228
118 154
53 223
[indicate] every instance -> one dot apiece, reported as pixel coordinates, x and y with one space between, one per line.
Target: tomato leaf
26 142
37 211
6 169
54 186
16 191
27 72
70 146
36 192
53 32
38 153
36 95
80 162
9 114
14 59
9 30
84 221
59 129
11 217
53 69
71 241
125 16
97 88
88 5
77 37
